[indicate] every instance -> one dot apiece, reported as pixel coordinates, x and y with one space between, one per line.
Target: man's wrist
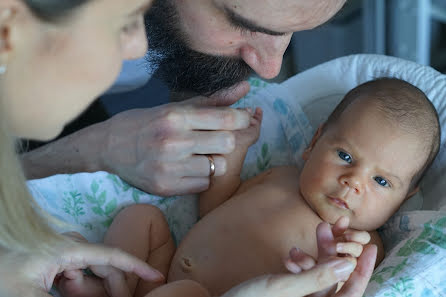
78 152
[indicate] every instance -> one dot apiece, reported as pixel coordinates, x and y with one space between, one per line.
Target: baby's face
361 168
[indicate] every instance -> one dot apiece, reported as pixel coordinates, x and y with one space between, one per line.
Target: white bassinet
415 238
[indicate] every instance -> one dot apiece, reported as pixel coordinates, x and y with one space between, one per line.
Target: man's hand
159 150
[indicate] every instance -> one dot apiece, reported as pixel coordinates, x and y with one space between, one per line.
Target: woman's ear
7 10
11 14
307 152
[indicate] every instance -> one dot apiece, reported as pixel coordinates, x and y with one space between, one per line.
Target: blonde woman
56 56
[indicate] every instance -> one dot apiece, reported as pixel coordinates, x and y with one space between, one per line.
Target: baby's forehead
367 130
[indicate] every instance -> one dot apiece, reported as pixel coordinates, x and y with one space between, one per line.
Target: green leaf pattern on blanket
263 161
431 236
72 205
427 243
402 287
101 207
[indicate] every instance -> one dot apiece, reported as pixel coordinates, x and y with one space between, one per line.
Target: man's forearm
78 152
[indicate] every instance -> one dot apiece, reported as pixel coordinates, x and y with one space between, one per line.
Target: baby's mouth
338 202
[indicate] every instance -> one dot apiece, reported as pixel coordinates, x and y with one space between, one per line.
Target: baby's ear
307 152
412 192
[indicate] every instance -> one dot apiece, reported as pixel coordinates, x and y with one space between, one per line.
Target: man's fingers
357 283
198 166
211 118
211 142
224 97
79 256
230 95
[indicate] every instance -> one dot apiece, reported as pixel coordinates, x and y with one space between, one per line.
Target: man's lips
338 202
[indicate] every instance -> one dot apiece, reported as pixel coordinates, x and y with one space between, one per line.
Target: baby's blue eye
344 156
381 181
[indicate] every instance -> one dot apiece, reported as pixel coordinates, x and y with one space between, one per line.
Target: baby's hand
349 242
246 137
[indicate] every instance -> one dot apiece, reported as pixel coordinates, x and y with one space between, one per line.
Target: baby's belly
220 253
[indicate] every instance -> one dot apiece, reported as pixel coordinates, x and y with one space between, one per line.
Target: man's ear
413 192
307 152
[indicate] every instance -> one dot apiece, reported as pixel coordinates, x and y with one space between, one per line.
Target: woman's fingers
80 256
357 283
318 278
113 279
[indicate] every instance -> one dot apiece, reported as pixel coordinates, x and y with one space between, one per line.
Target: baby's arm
223 187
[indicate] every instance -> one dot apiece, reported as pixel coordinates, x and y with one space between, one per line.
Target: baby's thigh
182 288
141 221
142 230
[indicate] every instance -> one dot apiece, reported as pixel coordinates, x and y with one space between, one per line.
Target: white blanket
414 239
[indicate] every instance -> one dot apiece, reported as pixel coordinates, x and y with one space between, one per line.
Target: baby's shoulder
273 177
284 172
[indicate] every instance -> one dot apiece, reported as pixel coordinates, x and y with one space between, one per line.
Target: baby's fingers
361 237
353 249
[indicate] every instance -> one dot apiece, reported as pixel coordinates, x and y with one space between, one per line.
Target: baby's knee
143 212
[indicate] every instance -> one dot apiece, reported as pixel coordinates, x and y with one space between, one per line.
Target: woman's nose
264 53
353 182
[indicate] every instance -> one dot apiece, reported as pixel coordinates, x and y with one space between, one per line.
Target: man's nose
353 181
264 53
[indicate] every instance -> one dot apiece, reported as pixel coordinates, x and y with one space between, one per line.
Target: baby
362 163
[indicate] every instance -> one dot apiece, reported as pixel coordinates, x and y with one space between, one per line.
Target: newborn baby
362 164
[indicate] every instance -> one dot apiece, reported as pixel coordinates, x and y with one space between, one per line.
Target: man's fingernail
343 269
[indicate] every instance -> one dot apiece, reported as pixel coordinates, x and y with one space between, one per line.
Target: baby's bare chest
246 237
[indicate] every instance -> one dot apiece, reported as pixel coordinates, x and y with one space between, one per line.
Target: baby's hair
401 103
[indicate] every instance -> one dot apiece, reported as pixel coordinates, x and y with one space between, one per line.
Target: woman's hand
309 278
34 274
354 246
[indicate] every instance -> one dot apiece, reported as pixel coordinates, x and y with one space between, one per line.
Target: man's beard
182 68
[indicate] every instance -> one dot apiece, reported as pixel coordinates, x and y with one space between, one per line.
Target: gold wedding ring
211 165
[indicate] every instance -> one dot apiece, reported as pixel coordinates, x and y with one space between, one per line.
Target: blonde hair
23 224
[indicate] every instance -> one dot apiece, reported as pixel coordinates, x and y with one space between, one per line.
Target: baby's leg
182 288
142 231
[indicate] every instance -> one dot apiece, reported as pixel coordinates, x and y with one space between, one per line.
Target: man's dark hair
182 68
404 104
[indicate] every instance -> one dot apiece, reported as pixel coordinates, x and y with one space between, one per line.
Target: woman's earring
2 69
